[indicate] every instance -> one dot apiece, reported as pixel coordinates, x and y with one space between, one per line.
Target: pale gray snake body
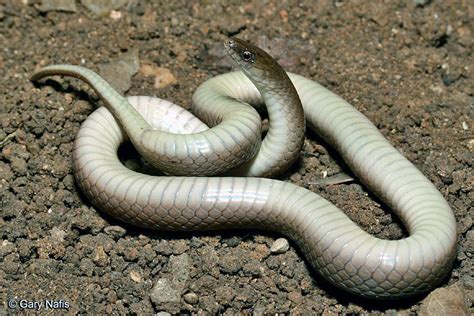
340 250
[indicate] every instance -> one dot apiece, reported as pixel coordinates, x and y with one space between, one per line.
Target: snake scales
178 143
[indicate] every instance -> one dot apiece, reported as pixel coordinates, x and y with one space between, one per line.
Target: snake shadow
64 86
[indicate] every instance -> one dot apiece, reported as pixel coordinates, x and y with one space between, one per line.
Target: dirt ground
407 65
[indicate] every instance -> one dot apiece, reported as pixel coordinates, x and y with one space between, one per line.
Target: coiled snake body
341 251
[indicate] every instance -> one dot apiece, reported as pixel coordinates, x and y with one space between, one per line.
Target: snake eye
246 55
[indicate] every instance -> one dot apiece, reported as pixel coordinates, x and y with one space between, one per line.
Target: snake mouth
229 46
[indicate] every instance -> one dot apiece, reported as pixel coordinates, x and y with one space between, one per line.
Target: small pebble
163 76
101 8
58 5
449 300
232 241
58 234
101 259
180 267
115 231
280 245
135 276
163 292
115 15
118 73
195 243
230 264
421 3
259 311
191 298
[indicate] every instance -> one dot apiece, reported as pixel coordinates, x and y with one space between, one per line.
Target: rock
180 266
50 247
100 257
163 76
261 252
12 151
87 221
195 242
119 71
230 264
280 245
135 276
233 241
180 247
6 173
87 267
191 298
295 297
163 247
11 264
163 292
225 294
57 234
469 243
57 5
19 166
102 7
437 89
450 300
115 232
6 248
258 311
169 289
253 268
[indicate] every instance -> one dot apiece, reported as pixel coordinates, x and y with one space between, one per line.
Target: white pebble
280 245
191 298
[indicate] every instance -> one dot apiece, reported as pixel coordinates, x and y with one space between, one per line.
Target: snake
217 173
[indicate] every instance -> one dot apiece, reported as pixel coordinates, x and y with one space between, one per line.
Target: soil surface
408 66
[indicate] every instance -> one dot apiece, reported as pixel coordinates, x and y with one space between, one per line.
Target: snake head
255 62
